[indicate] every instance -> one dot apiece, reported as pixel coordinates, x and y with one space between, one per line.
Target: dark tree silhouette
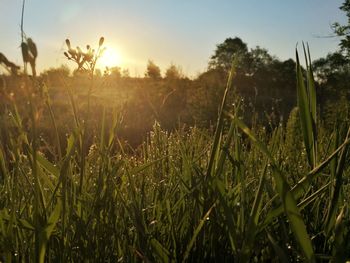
343 31
153 71
228 50
173 72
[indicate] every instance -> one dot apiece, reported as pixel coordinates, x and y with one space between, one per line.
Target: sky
180 32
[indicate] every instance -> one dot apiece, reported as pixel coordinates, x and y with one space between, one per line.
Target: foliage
173 72
343 31
333 75
153 71
55 76
231 48
134 172
260 201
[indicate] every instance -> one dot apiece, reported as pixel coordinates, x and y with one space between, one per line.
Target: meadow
74 189
246 162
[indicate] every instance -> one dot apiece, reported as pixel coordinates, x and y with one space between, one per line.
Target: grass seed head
102 39
68 43
25 53
32 47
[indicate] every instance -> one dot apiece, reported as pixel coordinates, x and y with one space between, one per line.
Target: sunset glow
167 31
110 58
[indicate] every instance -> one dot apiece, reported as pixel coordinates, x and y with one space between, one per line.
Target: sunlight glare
110 58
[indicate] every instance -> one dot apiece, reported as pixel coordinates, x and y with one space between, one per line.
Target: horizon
182 33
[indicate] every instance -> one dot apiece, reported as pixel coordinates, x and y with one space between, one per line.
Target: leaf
218 131
196 232
162 252
289 203
248 243
47 165
340 242
45 233
301 187
305 114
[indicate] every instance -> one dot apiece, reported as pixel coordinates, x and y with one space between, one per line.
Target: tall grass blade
305 114
334 204
195 233
47 230
218 131
289 203
302 186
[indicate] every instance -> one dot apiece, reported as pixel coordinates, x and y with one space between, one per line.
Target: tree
153 71
125 73
115 72
343 31
334 63
228 50
56 76
333 76
173 72
260 59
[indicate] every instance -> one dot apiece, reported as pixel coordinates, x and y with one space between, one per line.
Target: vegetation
249 162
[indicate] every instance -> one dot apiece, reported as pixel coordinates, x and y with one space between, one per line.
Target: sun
111 57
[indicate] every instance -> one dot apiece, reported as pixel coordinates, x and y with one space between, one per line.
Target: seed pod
68 43
88 47
88 56
66 54
72 52
102 39
2 58
32 47
79 50
32 65
25 53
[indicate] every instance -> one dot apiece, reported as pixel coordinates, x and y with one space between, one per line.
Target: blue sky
183 32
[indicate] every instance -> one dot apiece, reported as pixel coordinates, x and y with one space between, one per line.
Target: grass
242 194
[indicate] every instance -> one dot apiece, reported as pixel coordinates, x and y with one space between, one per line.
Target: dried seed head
88 56
66 54
25 53
79 50
88 47
32 47
68 43
72 52
102 39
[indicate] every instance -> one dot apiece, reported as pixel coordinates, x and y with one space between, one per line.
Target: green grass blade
218 131
248 243
301 187
334 204
341 242
289 204
47 230
196 232
305 115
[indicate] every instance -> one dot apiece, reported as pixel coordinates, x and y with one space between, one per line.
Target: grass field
237 194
